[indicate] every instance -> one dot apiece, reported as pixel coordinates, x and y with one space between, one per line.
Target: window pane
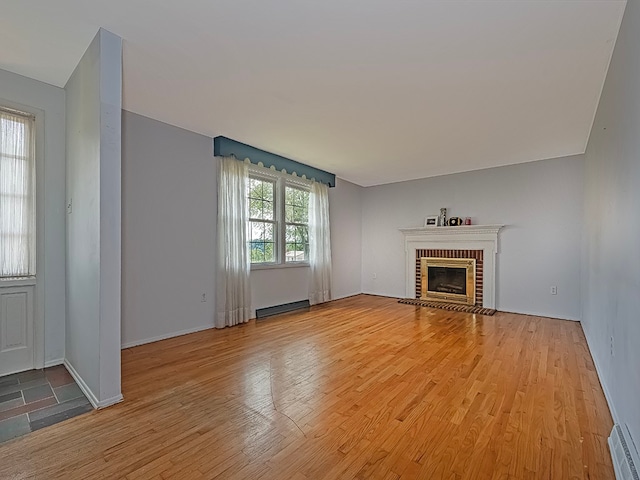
296 236
301 215
15 176
261 199
14 216
296 243
261 242
269 252
267 191
296 205
255 188
13 136
302 235
290 233
17 196
255 208
268 212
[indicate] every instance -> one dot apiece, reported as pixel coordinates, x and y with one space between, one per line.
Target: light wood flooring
362 387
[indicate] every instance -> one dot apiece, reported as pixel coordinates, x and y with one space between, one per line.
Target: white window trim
281 180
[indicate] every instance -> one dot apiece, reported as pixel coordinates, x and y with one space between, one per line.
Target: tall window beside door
17 194
278 218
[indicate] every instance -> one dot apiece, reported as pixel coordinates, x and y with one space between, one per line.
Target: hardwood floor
360 388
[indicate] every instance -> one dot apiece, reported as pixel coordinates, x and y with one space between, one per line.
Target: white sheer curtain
319 244
17 195
233 296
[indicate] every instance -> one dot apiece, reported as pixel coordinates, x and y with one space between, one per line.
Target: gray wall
611 298
93 106
541 205
21 92
345 207
169 217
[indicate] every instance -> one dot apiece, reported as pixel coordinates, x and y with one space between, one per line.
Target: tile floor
35 399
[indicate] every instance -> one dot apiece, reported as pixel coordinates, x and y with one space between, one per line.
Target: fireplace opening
448 279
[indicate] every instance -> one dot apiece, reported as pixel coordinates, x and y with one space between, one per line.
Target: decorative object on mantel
467 221
448 306
455 221
431 221
443 217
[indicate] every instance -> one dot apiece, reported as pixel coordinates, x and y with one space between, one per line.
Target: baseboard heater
284 308
625 458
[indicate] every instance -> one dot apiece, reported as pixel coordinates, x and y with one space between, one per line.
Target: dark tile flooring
35 399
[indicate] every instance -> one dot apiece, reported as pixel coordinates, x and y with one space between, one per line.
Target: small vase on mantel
443 217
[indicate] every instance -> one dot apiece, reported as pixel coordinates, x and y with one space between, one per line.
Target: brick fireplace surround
467 241
477 254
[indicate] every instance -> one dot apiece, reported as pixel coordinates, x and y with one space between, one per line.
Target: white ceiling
375 91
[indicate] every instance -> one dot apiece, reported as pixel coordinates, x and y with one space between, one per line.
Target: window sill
275 266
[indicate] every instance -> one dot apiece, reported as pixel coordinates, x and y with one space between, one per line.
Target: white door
16 329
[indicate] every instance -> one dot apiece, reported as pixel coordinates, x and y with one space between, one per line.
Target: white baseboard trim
53 363
607 394
136 343
81 383
383 295
541 315
347 295
110 401
97 404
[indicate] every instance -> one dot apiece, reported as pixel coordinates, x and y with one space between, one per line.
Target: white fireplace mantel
464 237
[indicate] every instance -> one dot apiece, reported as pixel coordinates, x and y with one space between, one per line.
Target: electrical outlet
69 207
204 297
611 346
554 290
375 275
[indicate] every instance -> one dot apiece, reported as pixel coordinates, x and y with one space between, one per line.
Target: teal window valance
226 147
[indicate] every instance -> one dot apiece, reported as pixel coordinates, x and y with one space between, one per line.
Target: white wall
541 204
49 102
93 107
611 298
169 216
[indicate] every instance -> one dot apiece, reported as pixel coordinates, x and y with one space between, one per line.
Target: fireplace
454 259
479 242
451 280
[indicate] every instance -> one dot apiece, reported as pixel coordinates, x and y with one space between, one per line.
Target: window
262 220
278 218
296 224
17 194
